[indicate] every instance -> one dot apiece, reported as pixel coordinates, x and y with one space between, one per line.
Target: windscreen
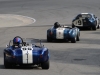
28 42
86 15
33 42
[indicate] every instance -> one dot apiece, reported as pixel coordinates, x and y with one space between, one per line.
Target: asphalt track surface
81 58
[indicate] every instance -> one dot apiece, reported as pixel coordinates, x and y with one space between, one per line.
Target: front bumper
37 59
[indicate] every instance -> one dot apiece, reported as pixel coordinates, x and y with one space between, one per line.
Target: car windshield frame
86 15
28 42
33 42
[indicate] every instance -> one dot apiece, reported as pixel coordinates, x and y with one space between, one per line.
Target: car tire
78 39
98 27
45 65
94 27
73 40
6 64
49 39
73 25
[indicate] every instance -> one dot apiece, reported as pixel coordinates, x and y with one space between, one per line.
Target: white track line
24 16
34 20
25 19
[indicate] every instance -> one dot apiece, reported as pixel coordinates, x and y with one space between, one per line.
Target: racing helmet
17 41
79 16
56 24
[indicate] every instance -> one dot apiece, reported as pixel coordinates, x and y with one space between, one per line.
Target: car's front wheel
6 64
45 65
73 40
73 25
98 27
78 39
94 27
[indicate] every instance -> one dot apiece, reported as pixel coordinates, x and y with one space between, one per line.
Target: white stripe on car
27 56
60 33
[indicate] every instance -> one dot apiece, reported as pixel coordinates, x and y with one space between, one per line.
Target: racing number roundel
79 22
26 48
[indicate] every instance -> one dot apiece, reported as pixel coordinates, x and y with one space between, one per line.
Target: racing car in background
86 20
30 52
63 32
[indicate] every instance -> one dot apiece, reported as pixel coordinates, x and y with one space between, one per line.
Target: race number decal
78 22
26 48
27 54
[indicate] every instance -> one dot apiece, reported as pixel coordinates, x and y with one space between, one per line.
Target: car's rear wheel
45 65
73 40
49 39
94 27
7 65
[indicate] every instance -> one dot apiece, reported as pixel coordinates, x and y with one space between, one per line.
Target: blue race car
63 32
86 20
27 52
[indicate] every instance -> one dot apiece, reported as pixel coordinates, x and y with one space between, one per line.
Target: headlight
91 20
8 55
50 33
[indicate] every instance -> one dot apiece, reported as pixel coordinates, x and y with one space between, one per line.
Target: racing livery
86 20
30 52
63 32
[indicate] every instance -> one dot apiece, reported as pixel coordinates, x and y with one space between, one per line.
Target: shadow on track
22 67
2 66
81 56
89 41
55 41
86 29
97 32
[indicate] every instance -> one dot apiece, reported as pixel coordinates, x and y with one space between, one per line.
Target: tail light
50 33
41 56
13 56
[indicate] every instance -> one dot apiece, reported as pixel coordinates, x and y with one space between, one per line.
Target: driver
56 25
16 42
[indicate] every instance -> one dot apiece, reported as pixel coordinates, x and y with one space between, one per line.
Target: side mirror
43 45
7 45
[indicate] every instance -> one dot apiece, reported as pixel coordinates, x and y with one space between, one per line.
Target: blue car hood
35 50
